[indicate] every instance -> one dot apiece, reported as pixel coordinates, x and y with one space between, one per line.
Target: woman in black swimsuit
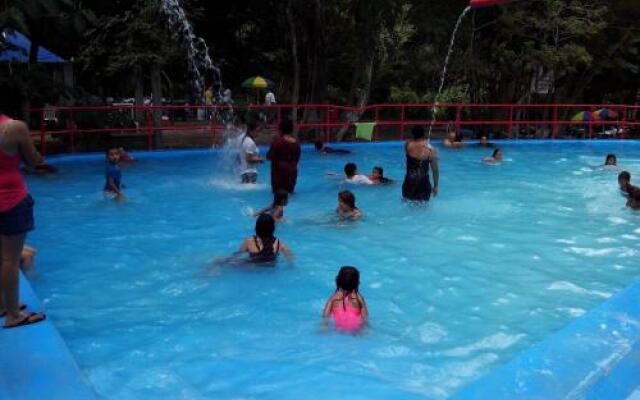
263 247
420 155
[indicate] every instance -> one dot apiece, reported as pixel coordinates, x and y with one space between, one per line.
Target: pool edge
36 362
579 361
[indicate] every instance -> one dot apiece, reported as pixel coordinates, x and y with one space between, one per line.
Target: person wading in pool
249 154
420 155
16 210
284 155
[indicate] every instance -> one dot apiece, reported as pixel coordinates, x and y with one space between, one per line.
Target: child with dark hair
352 175
276 209
346 305
347 206
378 178
263 247
611 159
624 181
113 176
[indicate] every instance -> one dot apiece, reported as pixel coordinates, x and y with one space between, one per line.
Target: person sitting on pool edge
347 206
611 160
495 158
352 175
346 305
322 149
378 178
263 247
276 209
113 176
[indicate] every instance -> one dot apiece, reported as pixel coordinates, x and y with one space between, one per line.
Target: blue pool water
504 256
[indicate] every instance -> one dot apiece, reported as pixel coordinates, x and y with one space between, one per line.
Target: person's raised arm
27 150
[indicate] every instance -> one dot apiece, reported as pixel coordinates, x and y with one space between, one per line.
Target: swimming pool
504 256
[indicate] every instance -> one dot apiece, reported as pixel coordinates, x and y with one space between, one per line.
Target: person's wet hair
624 175
286 127
417 132
280 198
350 169
348 198
495 153
348 279
611 157
265 226
379 170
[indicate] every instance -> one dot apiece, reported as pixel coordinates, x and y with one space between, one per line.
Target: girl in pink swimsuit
346 305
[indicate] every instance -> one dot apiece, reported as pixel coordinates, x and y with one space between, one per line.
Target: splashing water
197 50
444 69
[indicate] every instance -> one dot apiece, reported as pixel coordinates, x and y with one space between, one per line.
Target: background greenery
339 51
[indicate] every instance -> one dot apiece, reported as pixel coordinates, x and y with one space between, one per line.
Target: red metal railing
69 124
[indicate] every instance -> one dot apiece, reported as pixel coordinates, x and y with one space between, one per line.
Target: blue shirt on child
113 172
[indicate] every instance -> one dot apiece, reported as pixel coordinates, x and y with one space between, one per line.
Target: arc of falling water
197 50
444 70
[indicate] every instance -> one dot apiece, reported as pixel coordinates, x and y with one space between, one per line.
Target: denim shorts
19 219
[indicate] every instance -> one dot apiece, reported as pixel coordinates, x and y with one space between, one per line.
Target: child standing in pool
113 176
346 305
347 206
276 209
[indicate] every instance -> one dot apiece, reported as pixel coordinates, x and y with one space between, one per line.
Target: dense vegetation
341 51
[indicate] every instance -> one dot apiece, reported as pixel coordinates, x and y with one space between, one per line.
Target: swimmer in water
352 175
276 209
378 178
453 141
263 247
624 182
611 160
322 149
347 206
495 158
484 142
346 305
113 176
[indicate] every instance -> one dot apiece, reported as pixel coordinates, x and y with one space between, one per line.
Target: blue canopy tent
19 47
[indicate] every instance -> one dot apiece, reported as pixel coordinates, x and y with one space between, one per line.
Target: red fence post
327 132
555 128
458 118
402 125
72 124
510 128
376 117
624 121
43 133
149 116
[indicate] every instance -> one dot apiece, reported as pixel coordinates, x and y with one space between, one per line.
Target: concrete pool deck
36 364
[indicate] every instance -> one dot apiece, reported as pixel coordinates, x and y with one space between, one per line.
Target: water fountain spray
200 64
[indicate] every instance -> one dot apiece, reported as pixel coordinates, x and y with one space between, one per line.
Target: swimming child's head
346 199
377 173
348 279
611 160
265 226
417 132
624 178
280 198
483 140
113 155
350 169
497 154
286 127
319 145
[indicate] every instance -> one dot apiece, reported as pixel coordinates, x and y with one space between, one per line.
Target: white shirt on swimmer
359 179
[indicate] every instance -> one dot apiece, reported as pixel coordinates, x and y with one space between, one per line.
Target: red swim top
12 186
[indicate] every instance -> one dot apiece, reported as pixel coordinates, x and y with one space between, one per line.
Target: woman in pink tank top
16 217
